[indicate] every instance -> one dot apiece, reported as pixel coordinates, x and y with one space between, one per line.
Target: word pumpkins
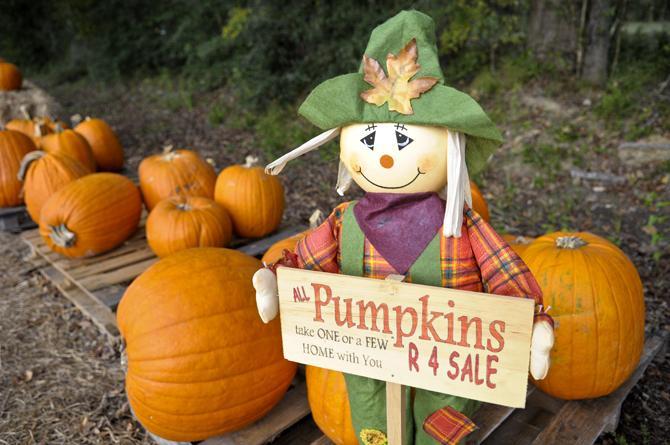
254 199
329 402
13 147
91 215
595 295
106 147
179 223
200 361
175 173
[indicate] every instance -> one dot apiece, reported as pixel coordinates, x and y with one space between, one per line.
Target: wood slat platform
15 219
95 285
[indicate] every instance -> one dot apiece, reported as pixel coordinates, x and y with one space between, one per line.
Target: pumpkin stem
24 111
250 161
184 206
62 236
59 127
25 163
168 153
570 242
75 119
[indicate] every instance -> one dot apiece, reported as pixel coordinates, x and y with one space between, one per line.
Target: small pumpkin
329 402
10 77
69 143
254 199
13 147
175 173
43 174
106 147
91 215
596 299
276 251
200 361
34 128
479 204
179 223
518 243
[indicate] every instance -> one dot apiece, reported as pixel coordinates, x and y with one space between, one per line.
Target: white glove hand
267 296
541 342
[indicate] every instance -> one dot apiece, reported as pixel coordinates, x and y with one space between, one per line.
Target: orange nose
386 161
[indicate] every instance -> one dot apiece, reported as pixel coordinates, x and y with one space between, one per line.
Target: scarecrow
408 141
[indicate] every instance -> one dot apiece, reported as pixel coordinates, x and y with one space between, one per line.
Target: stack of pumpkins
52 168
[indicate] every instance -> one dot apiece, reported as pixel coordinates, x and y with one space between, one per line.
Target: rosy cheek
354 164
426 163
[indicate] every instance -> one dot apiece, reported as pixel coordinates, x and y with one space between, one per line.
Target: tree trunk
598 42
553 29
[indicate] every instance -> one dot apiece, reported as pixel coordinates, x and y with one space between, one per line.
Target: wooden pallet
15 219
95 285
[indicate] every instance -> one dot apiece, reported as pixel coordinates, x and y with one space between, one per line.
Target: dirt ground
61 383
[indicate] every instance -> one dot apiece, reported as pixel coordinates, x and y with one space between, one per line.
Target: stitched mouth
418 173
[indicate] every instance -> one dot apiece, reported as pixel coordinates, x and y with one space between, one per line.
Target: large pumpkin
200 361
596 299
175 173
10 77
13 147
179 223
71 144
329 402
43 174
518 243
254 199
106 147
91 215
478 202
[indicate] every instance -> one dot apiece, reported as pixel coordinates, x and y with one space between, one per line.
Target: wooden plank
259 247
489 417
112 263
99 314
290 410
396 401
581 422
111 295
120 275
323 440
15 219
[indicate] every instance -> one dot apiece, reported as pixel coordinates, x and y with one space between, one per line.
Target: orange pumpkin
175 173
329 402
69 143
596 299
479 204
518 243
34 128
254 199
275 252
43 174
13 147
200 361
91 215
106 147
10 77
179 223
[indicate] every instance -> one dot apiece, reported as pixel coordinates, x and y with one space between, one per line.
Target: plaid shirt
481 261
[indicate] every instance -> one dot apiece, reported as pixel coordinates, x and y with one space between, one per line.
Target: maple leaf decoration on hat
397 89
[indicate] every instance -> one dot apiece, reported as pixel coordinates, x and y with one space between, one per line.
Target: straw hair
275 167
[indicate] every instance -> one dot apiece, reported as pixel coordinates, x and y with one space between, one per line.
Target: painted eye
403 140
369 141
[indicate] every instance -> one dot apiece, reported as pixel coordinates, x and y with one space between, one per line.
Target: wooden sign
467 344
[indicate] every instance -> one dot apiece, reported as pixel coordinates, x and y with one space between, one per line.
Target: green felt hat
337 101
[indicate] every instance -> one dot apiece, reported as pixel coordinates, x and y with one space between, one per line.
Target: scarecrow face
395 158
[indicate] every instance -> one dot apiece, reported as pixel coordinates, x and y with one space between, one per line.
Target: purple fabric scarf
400 226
